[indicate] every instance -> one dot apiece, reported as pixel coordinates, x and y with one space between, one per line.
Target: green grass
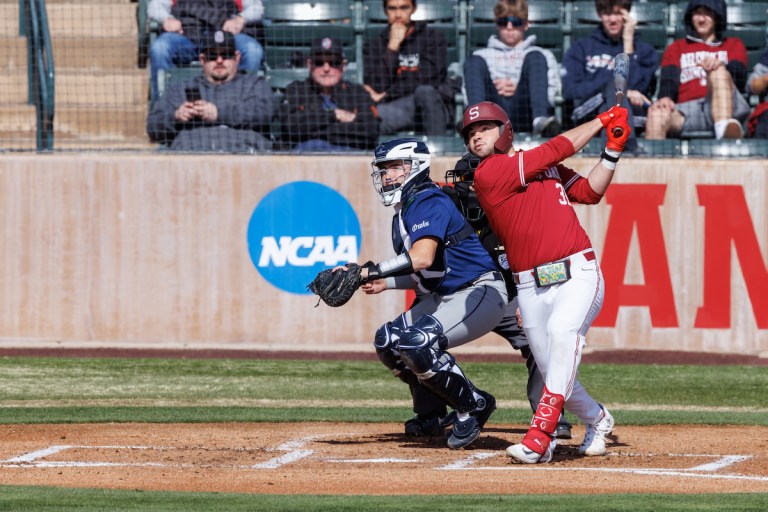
24 499
57 390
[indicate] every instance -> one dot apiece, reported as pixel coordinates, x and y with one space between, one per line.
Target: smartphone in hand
192 94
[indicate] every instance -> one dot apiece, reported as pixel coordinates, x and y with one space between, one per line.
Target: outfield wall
157 250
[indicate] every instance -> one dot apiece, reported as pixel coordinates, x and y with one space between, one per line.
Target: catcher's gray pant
466 314
463 316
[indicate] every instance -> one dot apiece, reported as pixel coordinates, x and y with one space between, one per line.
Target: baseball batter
460 187
527 197
460 295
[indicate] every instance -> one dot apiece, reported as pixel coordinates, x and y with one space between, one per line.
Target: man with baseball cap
324 112
527 198
187 23
221 110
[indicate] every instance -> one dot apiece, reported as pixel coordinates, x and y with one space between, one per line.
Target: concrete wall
152 250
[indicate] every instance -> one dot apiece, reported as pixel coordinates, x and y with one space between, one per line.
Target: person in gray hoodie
514 73
221 110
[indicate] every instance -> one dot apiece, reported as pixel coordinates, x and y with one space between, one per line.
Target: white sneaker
594 439
521 453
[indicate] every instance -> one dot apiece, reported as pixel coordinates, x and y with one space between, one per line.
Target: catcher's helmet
409 150
489 111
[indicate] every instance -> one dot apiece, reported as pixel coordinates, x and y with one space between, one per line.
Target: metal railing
33 23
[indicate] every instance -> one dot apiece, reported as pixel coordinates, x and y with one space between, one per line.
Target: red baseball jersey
687 54
527 198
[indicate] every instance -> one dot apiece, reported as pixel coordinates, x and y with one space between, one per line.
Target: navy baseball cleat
465 432
424 425
563 430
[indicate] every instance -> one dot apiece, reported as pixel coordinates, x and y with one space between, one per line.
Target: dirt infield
375 459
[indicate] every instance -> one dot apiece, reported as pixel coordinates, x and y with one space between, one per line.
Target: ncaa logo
299 229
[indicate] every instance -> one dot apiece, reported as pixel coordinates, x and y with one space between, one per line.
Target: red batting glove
611 113
618 131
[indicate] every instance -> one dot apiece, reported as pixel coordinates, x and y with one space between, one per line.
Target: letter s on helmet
489 111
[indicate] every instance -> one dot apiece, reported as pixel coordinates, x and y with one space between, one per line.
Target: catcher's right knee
385 342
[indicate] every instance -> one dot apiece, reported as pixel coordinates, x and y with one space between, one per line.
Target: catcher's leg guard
544 423
385 343
422 349
425 403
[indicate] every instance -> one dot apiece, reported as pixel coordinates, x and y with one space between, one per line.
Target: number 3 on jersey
563 196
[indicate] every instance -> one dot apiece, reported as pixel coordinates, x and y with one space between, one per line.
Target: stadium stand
100 91
17 114
290 27
102 77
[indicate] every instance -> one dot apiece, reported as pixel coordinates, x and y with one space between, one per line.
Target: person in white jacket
514 73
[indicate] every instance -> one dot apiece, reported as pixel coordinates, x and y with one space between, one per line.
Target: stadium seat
584 19
749 22
166 78
712 148
290 26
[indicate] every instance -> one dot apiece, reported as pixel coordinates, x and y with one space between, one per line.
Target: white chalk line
295 452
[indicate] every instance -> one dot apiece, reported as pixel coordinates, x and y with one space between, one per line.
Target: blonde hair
517 8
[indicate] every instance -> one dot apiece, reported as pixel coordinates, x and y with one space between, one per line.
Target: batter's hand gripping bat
620 77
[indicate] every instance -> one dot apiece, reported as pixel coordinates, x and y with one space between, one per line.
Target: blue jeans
171 50
530 99
320 146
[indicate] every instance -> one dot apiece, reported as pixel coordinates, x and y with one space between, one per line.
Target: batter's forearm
582 134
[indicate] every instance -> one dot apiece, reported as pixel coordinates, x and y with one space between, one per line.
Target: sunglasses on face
226 55
514 20
320 62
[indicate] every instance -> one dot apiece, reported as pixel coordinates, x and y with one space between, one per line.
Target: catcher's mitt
336 288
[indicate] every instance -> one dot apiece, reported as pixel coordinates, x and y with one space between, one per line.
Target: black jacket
202 17
421 60
304 115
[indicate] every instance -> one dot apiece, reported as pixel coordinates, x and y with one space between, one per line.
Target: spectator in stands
702 77
406 73
588 77
221 110
757 124
186 24
325 112
513 73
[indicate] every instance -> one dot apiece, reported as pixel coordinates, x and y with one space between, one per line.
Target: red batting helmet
489 111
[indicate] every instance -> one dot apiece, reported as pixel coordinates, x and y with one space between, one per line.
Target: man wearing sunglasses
222 110
406 73
324 112
187 23
514 73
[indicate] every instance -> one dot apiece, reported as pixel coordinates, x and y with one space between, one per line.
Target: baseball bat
620 77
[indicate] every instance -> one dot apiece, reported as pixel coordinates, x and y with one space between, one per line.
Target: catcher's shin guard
425 402
449 383
544 422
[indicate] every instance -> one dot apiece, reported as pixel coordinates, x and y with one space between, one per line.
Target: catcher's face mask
388 178
469 205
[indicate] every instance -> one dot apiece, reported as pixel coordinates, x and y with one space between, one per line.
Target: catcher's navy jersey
432 213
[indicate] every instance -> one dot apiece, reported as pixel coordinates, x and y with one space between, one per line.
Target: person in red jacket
527 197
702 77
